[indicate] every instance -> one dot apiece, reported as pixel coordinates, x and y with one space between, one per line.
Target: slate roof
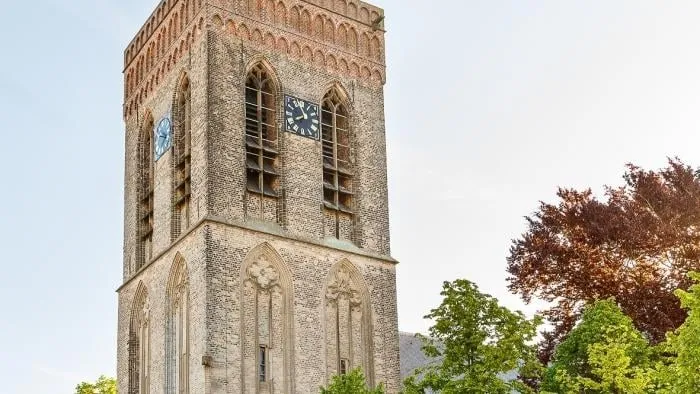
412 357
410 354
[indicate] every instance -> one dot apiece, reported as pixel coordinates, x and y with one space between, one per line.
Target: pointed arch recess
349 335
139 343
177 329
267 320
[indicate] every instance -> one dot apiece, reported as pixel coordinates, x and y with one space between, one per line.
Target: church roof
412 357
410 353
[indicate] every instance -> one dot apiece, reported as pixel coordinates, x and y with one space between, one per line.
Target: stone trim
277 232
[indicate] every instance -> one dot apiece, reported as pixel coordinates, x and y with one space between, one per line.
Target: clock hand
303 112
299 117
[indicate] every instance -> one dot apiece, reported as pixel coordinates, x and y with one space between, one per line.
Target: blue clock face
162 137
301 117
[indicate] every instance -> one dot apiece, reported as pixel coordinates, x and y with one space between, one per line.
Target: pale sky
490 105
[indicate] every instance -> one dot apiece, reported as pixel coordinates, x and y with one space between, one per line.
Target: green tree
351 383
636 244
604 353
680 373
475 342
103 385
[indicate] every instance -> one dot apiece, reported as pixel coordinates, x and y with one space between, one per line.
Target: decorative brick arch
347 316
281 14
283 45
267 293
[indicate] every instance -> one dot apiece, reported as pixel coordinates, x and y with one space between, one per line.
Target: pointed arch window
144 248
183 160
139 344
261 133
337 164
177 330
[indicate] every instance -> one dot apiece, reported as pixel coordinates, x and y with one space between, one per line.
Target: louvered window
337 168
145 195
183 149
261 134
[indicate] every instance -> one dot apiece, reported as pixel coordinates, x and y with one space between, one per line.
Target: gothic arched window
177 329
139 344
338 191
144 249
261 142
182 159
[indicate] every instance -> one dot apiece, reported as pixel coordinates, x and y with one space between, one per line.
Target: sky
490 106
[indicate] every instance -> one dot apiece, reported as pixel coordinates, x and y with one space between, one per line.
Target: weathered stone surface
261 278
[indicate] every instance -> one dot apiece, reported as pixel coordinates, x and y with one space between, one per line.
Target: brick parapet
311 31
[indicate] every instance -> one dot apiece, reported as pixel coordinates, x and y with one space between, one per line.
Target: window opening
262 364
261 134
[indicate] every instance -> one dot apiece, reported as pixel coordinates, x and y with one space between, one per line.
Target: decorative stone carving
264 273
145 313
342 285
180 290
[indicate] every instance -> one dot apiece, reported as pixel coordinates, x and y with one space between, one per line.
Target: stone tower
256 228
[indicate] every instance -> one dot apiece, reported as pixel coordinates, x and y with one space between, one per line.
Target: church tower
256 226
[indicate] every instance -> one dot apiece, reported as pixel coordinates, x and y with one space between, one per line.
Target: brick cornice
341 41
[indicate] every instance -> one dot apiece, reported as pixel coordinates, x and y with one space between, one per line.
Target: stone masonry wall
310 265
309 47
155 278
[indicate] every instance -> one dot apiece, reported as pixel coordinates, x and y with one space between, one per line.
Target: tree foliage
103 385
636 246
604 353
351 383
681 371
475 342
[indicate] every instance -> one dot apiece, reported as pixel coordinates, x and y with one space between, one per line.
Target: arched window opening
337 162
261 137
145 194
183 149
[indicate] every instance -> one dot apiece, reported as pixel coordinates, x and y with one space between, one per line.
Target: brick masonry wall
217 44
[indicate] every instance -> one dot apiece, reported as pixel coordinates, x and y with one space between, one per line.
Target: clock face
162 137
301 117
